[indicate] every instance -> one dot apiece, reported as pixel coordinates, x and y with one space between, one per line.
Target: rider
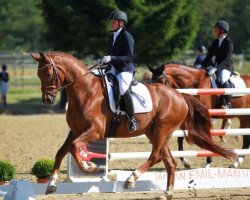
4 78
222 50
201 55
119 56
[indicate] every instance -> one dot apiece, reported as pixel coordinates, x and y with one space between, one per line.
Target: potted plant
7 172
42 169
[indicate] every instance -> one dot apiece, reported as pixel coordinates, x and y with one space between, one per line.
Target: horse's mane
177 63
178 68
67 56
182 75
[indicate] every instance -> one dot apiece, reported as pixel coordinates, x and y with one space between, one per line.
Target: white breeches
4 88
124 79
224 75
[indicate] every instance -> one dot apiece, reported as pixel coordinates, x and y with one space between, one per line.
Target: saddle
235 80
140 95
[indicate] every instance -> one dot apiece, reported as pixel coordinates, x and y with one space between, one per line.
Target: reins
58 85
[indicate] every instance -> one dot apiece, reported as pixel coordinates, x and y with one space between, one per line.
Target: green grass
27 102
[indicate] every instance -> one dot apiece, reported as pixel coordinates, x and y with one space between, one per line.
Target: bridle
58 86
163 75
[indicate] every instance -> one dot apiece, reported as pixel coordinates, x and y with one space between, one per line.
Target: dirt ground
25 139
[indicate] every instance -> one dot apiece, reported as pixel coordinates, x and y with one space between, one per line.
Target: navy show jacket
122 51
222 54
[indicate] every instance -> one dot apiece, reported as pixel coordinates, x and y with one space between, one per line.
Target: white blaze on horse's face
49 91
46 74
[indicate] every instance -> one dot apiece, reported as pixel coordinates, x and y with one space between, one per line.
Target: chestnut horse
89 117
182 76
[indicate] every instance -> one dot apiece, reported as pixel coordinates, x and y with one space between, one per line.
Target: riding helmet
118 15
222 25
202 49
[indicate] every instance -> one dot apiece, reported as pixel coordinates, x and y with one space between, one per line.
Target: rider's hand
103 60
211 70
106 59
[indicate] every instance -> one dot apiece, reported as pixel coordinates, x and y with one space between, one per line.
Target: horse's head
182 76
158 74
51 77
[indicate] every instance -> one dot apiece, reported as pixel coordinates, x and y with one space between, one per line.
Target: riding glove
103 60
211 70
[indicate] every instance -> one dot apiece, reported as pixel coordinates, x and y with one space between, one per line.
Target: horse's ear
43 56
150 67
35 57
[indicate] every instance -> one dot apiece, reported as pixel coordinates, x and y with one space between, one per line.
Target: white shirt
116 34
221 39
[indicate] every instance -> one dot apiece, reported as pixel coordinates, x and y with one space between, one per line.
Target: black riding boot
227 98
130 111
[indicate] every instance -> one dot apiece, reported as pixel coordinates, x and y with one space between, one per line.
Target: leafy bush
7 171
43 168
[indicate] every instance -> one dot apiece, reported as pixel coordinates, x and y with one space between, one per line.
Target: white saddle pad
236 80
141 98
238 83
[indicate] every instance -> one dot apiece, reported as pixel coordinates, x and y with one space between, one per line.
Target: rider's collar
116 33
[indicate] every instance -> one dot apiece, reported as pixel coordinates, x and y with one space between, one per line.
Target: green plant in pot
42 169
7 172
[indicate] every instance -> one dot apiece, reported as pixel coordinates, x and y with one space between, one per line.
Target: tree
168 27
77 26
239 27
21 26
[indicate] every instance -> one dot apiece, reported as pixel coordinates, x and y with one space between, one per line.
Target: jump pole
229 112
176 154
215 91
214 132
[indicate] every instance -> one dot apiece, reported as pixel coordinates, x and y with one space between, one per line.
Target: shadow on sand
31 106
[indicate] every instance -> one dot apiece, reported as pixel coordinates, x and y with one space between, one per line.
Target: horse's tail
198 125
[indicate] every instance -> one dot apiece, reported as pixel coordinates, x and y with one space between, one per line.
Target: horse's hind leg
61 153
240 159
155 157
244 123
226 123
170 165
184 160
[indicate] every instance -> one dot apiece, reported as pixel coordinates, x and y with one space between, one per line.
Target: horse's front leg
91 135
51 188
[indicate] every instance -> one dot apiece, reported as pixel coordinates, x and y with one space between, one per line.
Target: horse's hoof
90 167
187 164
231 166
51 189
165 197
129 185
206 166
237 138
